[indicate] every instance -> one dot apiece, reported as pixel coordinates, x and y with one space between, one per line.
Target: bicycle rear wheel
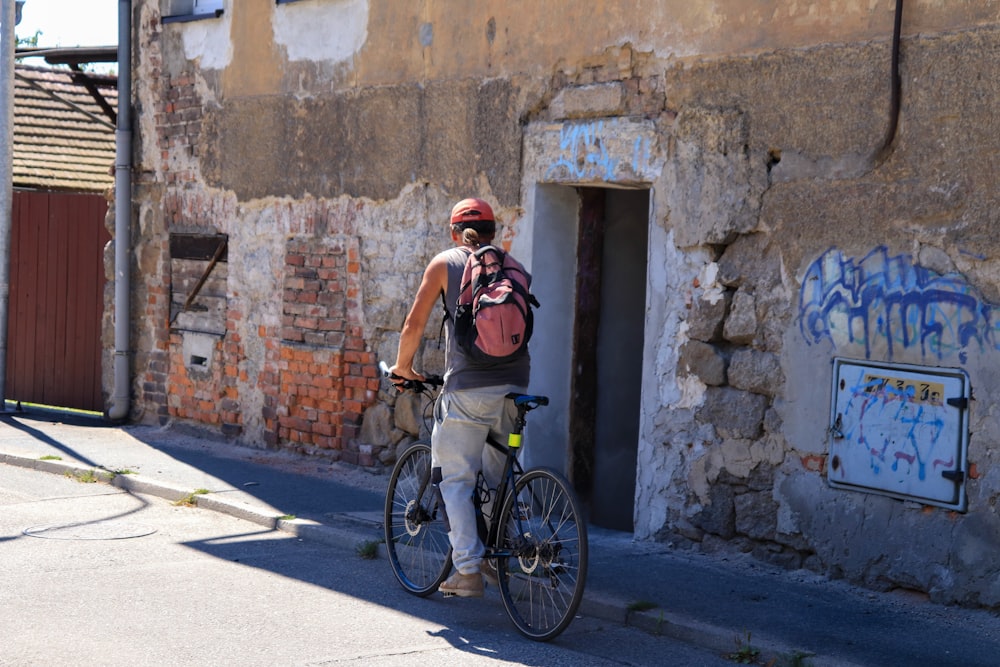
542 580
415 536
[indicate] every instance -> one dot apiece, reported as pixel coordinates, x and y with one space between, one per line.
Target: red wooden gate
56 299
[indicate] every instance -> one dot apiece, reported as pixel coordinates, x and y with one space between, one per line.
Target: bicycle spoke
415 539
542 582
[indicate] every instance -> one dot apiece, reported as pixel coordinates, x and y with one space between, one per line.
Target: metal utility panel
901 431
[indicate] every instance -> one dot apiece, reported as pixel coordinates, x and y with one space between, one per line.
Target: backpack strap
444 302
444 318
444 307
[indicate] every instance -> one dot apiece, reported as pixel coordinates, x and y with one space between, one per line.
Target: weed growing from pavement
188 500
745 653
50 457
286 517
85 476
641 605
369 549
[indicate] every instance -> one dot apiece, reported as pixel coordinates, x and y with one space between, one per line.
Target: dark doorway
608 348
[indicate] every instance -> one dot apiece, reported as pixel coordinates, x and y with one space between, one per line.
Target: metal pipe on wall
7 45
119 405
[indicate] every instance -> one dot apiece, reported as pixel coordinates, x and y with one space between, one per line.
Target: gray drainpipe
119 406
7 22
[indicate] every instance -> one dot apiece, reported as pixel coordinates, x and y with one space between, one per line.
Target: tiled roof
63 140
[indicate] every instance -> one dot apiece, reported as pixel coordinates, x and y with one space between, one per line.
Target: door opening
608 344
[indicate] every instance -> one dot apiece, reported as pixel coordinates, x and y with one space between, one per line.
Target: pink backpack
493 317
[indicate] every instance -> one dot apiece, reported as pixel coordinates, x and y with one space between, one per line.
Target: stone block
409 414
733 413
377 426
716 191
750 260
592 101
772 421
704 361
706 318
718 516
756 515
756 371
741 324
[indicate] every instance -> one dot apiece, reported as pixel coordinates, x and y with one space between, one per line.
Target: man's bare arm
434 282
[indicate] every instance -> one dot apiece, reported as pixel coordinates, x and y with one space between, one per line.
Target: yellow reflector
514 440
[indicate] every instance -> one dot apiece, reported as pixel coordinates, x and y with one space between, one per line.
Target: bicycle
537 542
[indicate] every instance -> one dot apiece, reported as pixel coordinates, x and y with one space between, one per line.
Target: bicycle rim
415 538
542 583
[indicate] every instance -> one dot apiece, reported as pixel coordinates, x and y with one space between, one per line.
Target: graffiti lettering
892 301
584 153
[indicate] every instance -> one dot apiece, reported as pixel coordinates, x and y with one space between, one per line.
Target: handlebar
417 386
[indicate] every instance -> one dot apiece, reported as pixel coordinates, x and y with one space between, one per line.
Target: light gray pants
462 421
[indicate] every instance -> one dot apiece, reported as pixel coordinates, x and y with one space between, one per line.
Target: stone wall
745 462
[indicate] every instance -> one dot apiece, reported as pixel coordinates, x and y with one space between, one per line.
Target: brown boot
463 585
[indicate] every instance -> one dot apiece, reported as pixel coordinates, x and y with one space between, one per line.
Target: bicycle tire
541 583
415 537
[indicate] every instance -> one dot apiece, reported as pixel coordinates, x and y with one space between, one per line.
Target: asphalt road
94 575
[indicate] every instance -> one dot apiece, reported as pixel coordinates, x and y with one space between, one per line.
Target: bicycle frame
508 480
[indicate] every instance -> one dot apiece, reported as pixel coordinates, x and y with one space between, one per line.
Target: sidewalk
792 618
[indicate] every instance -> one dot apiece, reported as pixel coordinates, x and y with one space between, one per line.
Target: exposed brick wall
233 372
319 376
208 396
643 91
163 380
193 394
314 299
178 126
153 372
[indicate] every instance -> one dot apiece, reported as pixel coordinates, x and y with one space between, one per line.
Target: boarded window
198 274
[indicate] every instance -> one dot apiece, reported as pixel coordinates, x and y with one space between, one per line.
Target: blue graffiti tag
584 154
893 301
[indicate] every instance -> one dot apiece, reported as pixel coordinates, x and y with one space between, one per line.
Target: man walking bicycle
472 404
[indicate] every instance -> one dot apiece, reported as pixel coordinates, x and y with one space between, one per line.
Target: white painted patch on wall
209 42
321 30
708 279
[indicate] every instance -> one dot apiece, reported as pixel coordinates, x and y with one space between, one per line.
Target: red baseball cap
471 210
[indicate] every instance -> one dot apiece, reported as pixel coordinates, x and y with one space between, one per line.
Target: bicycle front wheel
545 535
415 536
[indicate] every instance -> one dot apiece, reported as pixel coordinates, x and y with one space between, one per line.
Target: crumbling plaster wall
746 462
758 165
361 173
749 197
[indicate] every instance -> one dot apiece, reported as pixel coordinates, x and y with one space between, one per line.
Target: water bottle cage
482 495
